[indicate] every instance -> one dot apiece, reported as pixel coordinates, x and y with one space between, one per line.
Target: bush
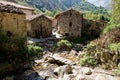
33 50
114 46
110 27
64 44
88 60
117 71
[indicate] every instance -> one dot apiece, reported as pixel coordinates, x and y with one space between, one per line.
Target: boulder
86 71
46 73
104 77
60 71
80 77
66 77
63 60
73 53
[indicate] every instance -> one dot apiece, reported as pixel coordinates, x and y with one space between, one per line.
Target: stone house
93 27
12 21
39 26
12 37
69 23
26 10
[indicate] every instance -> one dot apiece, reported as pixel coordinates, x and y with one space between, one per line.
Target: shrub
88 60
114 46
34 50
117 71
110 27
64 44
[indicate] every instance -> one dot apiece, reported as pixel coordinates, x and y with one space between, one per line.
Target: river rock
73 53
63 60
57 71
66 77
60 71
45 73
80 77
49 59
104 77
86 71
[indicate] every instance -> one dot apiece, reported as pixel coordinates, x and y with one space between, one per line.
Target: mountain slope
52 5
47 4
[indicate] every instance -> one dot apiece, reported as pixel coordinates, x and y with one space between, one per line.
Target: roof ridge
10 9
15 4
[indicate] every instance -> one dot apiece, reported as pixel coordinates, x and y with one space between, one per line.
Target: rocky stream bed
63 65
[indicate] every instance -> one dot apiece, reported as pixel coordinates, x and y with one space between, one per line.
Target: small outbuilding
93 27
39 26
69 23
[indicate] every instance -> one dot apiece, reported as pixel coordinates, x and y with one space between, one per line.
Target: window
70 24
66 34
70 14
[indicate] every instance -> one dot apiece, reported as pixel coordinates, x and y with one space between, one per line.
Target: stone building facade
93 27
69 23
72 24
12 21
12 37
39 26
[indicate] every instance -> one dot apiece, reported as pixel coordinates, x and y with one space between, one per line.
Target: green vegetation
117 71
96 16
88 60
115 19
64 44
104 50
86 6
55 5
51 13
33 50
114 46
110 27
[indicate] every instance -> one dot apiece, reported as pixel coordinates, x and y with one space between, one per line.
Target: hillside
62 5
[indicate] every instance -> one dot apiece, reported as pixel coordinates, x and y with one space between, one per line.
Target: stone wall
13 23
92 28
69 23
13 48
41 27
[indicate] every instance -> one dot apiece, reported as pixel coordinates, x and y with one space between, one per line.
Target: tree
115 19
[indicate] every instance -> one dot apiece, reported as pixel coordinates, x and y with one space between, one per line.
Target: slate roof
32 17
67 11
16 5
10 9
